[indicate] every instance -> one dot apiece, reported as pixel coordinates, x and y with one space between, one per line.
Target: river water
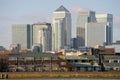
66 79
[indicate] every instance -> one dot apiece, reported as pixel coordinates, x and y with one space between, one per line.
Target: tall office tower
84 16
42 35
96 34
107 18
22 34
61 29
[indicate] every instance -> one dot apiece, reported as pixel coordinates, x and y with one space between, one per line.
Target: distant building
22 34
116 43
61 29
3 51
116 47
96 34
42 35
37 48
85 50
15 48
2 48
101 50
107 18
74 43
84 16
69 53
86 20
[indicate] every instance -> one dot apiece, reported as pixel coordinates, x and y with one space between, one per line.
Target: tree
3 62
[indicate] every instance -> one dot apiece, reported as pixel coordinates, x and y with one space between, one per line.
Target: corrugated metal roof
86 64
82 57
35 55
108 57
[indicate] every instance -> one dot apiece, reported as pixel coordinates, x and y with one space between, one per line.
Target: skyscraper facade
84 16
107 18
42 35
61 29
96 34
22 34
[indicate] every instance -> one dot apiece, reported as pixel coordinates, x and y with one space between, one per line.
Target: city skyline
41 11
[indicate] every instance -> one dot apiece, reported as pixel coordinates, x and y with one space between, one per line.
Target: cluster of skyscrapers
92 29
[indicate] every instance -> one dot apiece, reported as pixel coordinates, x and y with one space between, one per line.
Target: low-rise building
70 52
82 63
85 50
36 62
116 47
111 62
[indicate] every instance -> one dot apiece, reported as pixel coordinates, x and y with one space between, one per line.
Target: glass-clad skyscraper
42 35
84 17
96 33
61 29
22 34
107 18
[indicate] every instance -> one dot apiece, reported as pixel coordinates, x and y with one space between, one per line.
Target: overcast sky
32 11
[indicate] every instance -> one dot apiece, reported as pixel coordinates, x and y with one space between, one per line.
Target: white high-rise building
61 29
96 34
107 18
84 16
99 25
42 35
22 35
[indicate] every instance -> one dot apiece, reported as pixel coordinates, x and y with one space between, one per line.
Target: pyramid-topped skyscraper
61 29
62 8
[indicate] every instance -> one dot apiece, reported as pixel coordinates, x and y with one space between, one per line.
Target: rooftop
82 57
35 55
61 8
108 57
42 23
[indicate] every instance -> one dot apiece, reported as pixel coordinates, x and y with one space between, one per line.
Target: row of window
110 61
80 61
32 58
